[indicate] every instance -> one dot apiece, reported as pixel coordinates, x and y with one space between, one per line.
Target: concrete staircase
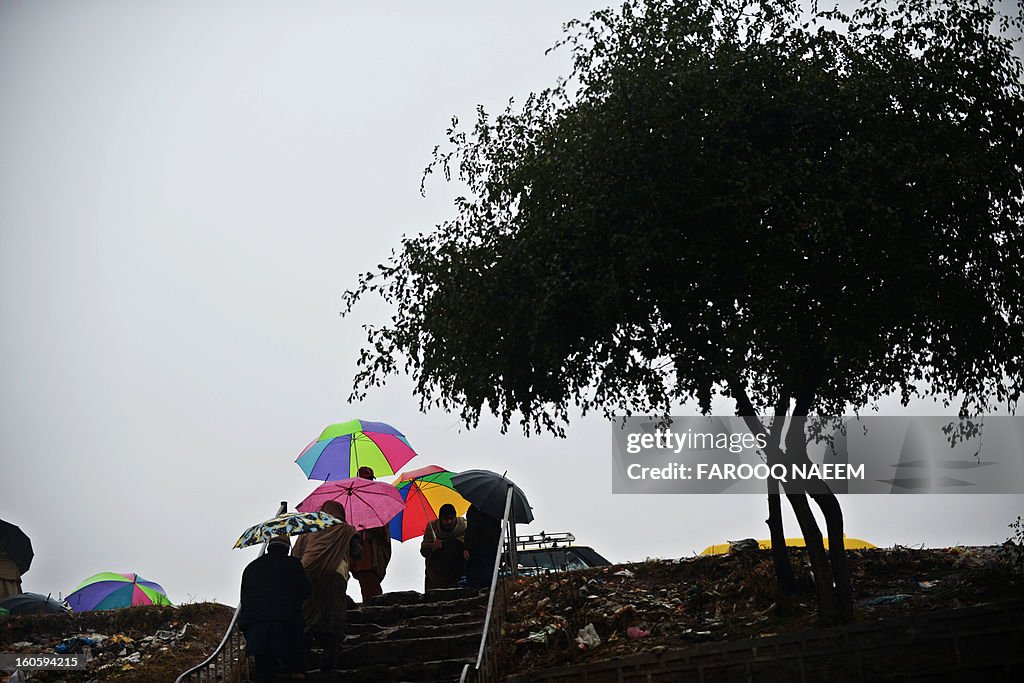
410 636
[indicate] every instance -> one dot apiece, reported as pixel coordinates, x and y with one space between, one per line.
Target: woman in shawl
327 556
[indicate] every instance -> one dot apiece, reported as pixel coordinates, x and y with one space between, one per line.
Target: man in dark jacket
442 546
273 588
483 533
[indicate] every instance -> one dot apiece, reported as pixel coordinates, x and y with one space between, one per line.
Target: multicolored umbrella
109 590
288 524
368 503
425 490
343 448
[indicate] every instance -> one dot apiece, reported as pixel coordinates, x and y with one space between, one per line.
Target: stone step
407 643
439 671
415 597
436 620
428 621
372 632
386 615
360 630
446 620
421 649
409 636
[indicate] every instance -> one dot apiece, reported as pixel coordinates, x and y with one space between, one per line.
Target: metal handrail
230 636
475 670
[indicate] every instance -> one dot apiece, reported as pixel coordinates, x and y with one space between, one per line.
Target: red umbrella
368 503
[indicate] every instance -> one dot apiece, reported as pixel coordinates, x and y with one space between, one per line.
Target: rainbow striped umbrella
424 490
109 590
343 448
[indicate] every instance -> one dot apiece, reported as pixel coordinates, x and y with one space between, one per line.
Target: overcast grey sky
186 189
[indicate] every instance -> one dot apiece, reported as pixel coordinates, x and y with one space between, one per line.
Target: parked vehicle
546 553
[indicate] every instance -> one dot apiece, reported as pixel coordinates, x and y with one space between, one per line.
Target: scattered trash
625 616
587 637
131 646
677 604
695 598
74 645
743 546
888 599
540 636
634 632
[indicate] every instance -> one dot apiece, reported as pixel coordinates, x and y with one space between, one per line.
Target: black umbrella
32 603
16 546
487 490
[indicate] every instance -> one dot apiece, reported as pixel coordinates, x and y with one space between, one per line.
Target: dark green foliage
729 194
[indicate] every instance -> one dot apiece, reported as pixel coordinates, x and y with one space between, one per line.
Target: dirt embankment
619 610
134 645
661 604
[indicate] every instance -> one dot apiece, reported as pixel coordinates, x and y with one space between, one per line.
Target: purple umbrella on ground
110 590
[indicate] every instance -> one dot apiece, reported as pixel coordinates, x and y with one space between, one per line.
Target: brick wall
983 643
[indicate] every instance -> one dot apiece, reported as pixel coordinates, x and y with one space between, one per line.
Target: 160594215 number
11 661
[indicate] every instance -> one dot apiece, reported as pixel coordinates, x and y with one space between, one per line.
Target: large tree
802 210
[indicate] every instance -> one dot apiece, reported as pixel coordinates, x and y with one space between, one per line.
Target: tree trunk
780 554
837 552
832 572
796 451
828 611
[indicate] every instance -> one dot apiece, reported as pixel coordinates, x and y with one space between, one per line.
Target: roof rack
543 540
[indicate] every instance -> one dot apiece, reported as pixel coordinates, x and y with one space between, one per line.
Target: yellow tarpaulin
851 544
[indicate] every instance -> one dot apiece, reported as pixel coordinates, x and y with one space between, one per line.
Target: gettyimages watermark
873 454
